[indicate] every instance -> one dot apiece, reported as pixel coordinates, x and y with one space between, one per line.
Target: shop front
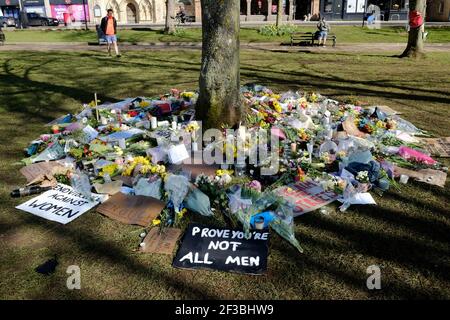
10 8
34 6
70 11
386 10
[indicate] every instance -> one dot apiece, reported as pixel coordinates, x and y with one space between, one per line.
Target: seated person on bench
322 33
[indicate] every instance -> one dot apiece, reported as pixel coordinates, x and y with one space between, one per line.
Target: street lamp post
20 14
85 17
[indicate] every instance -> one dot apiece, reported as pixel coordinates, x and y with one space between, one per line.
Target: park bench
100 36
309 38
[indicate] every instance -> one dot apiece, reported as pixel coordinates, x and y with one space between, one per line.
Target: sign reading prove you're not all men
61 204
223 249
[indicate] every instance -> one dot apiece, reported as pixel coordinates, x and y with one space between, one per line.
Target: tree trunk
279 13
414 47
219 100
170 22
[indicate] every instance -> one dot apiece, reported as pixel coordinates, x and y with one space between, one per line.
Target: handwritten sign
61 204
35 170
306 196
223 249
161 242
438 147
129 209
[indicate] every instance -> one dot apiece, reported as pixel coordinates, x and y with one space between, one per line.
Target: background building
438 10
355 9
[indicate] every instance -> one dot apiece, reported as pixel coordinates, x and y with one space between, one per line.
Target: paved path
343 47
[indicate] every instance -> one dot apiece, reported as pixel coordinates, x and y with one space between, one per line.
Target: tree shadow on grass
104 250
18 104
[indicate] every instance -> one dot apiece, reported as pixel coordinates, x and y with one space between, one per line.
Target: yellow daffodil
109 169
144 104
156 222
222 172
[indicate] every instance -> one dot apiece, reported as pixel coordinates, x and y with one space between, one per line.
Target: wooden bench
309 38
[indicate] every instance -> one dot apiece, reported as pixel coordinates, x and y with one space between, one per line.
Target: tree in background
417 10
219 99
170 21
279 13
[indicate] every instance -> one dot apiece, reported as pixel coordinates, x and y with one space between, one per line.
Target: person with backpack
322 33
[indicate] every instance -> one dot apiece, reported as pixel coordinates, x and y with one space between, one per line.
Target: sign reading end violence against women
306 196
223 249
61 204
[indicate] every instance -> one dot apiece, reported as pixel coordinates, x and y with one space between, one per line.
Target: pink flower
255 184
408 153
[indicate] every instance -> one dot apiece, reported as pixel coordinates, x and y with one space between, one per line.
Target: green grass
345 34
407 233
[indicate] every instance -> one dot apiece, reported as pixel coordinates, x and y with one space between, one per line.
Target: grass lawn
407 233
345 34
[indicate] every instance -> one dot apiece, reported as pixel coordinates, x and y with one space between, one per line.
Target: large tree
414 47
170 21
279 12
219 100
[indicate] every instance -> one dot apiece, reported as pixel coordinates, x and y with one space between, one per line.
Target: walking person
109 28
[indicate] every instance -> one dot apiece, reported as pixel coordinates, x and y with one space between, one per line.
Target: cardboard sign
35 170
430 176
351 128
388 110
161 242
438 147
306 196
196 169
129 209
223 249
61 204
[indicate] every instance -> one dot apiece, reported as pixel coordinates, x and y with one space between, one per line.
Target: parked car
35 19
7 22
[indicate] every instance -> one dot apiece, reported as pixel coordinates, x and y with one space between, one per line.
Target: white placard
90 132
178 153
61 204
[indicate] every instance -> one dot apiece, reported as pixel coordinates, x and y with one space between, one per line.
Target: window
97 11
441 7
328 6
399 4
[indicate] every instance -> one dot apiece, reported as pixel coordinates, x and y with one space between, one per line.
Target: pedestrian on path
109 28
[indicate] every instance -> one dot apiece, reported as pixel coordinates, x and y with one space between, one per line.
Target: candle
122 144
293 147
154 122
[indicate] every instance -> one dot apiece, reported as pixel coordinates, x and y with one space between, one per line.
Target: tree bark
414 47
170 21
279 13
219 100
